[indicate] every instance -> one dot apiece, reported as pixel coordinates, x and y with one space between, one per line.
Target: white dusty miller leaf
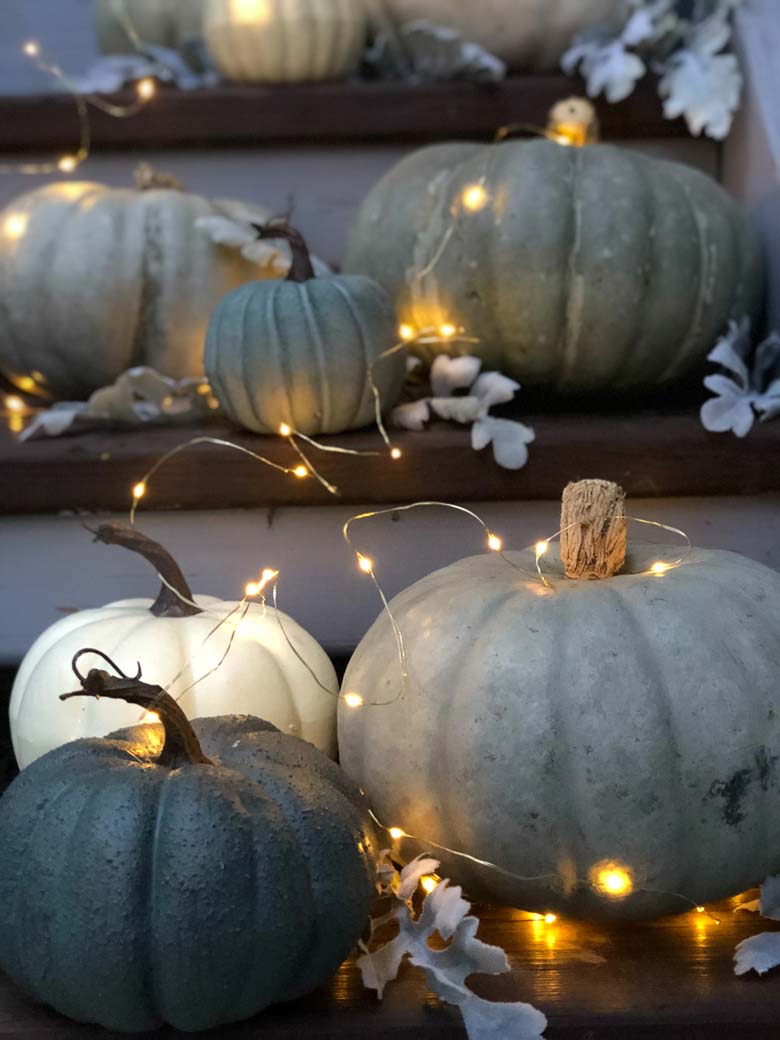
751 388
705 89
411 874
420 52
510 440
446 913
494 388
226 232
607 68
451 374
758 953
458 409
411 416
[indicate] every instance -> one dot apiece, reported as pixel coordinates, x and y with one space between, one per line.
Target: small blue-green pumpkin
301 351
189 874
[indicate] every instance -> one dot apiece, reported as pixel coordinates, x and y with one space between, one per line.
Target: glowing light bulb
353 700
611 879
396 453
15 225
149 718
67 164
269 574
699 909
550 918
494 542
301 472
31 49
429 883
13 403
474 198
365 564
406 332
139 490
541 548
659 568
146 88
396 833
285 430
447 330
252 589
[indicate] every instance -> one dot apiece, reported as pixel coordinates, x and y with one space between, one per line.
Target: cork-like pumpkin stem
181 746
175 597
593 529
301 269
148 179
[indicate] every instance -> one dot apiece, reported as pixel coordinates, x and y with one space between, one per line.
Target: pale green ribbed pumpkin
631 720
586 269
299 351
167 23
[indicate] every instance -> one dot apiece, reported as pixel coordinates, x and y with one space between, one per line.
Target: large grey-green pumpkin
95 280
167 23
301 351
141 886
582 269
632 721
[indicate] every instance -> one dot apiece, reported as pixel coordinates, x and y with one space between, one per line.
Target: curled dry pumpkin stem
593 529
148 179
181 746
169 603
301 269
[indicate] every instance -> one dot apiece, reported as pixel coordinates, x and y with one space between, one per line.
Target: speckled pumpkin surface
582 269
633 719
132 895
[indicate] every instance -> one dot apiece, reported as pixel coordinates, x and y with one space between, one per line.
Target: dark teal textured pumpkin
299 351
140 886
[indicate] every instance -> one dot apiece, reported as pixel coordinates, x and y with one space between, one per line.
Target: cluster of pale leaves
761 953
448 377
444 913
232 225
112 72
419 52
752 387
697 79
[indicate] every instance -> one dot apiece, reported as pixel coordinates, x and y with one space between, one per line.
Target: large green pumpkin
566 735
167 23
191 879
300 351
580 269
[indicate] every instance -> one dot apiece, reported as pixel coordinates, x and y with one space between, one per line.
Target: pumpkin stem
593 529
301 269
148 179
181 746
175 598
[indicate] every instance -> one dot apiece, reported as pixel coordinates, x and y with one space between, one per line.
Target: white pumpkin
285 41
261 674
166 23
529 35
95 280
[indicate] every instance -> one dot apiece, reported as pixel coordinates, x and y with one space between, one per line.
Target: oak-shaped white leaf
411 874
225 231
510 440
759 953
411 416
751 906
703 87
486 1020
451 374
731 411
752 388
458 409
607 67
494 388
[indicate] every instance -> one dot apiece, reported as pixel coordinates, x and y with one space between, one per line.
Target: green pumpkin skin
608 270
299 353
133 896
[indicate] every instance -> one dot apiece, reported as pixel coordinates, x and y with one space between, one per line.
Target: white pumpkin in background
529 35
285 41
166 23
260 674
95 280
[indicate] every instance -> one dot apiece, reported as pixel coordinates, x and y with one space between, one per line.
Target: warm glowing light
396 833
447 330
14 404
67 164
285 430
26 383
146 88
254 588
365 564
659 568
429 882
406 332
474 197
31 49
550 918
139 490
150 717
301 471
396 453
541 548
353 700
250 12
495 543
15 225
611 879
699 909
